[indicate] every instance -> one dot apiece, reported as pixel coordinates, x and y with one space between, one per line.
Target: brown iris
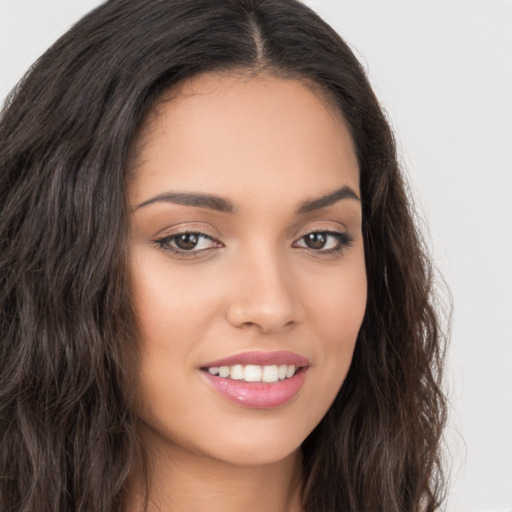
186 241
315 240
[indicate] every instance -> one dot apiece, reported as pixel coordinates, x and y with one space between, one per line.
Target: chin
242 443
257 453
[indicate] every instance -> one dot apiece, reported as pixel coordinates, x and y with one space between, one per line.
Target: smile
254 373
260 380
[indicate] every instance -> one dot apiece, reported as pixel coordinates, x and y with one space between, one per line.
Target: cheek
167 304
338 299
337 308
171 301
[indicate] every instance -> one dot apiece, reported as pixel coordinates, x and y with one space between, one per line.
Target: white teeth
237 372
270 374
224 371
254 373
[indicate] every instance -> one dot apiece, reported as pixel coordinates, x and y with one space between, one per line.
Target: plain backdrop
443 72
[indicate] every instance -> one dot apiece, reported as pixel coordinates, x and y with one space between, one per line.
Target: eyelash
164 243
344 241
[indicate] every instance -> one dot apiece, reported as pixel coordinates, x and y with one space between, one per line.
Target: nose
265 295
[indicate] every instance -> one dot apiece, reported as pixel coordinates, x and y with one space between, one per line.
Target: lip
258 395
260 358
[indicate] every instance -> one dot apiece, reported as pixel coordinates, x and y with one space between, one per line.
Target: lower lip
258 395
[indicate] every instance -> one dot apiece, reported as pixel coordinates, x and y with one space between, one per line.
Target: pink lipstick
259 380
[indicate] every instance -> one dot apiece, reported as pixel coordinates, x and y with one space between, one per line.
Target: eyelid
199 227
164 242
323 227
344 240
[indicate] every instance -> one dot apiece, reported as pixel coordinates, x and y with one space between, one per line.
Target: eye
190 242
325 241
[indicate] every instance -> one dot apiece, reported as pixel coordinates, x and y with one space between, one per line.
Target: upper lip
260 358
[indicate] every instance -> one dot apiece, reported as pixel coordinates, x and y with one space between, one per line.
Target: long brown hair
67 336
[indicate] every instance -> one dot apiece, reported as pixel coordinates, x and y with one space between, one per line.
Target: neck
183 481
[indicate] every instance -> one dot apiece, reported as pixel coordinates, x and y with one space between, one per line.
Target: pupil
316 240
187 241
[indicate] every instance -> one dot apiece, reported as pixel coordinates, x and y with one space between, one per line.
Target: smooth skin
253 281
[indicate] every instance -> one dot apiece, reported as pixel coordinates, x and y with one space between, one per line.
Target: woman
213 293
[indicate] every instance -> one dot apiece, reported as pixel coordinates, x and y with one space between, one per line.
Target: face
249 280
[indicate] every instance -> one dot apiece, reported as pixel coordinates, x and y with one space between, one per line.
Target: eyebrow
221 204
329 199
209 201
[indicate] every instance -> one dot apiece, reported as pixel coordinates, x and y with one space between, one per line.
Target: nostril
264 317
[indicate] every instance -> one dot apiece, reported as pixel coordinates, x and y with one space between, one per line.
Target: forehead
227 134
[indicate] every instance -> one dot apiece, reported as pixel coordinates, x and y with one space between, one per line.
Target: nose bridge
265 295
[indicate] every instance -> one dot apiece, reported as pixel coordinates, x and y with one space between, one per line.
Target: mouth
261 380
255 373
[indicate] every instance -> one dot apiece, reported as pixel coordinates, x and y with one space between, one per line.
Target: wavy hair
67 332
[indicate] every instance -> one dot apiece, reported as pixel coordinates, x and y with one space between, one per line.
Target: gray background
442 70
